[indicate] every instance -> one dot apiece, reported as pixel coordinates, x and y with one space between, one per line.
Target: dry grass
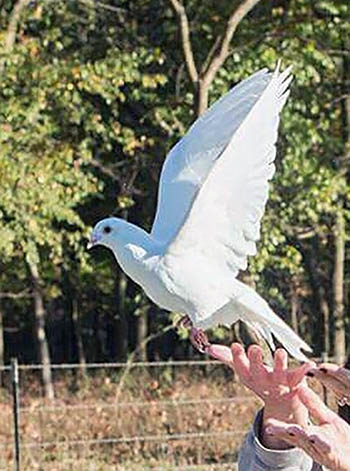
95 411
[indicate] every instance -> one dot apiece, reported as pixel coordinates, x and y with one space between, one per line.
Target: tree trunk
339 227
294 302
217 54
320 319
201 98
344 411
326 320
345 103
42 343
10 36
2 357
78 336
338 289
121 322
71 289
142 334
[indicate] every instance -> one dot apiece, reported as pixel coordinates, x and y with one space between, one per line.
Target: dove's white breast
149 271
201 288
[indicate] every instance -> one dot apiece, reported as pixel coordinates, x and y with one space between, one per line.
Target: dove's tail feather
256 313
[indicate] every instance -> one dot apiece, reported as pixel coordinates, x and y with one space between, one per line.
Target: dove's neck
133 247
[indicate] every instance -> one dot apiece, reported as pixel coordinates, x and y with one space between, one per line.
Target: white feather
192 158
212 196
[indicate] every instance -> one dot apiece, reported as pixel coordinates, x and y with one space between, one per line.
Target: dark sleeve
254 456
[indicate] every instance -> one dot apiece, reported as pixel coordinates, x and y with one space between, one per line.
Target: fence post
15 394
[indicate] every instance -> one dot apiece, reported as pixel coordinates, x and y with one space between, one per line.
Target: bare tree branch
10 37
210 54
186 42
22 294
178 79
217 54
219 58
106 170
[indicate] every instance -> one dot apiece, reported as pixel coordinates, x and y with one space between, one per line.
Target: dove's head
108 231
116 234
128 243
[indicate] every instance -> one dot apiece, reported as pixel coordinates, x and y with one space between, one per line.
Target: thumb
296 375
314 404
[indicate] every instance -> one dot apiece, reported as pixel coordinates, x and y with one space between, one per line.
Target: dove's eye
107 229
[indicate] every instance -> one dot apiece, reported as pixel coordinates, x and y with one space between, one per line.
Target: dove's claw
199 340
220 352
184 322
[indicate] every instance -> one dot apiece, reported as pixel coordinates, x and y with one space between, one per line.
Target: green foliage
60 104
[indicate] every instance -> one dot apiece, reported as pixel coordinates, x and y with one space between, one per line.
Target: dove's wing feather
192 158
223 224
254 311
224 221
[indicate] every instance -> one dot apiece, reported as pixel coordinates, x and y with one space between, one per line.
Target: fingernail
323 370
269 431
311 375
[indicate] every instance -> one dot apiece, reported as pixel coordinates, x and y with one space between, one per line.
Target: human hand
276 386
335 378
326 443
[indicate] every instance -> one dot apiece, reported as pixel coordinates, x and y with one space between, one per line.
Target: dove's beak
94 241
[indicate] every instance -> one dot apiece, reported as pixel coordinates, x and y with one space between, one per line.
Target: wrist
290 412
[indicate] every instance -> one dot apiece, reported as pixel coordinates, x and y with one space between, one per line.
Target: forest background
92 97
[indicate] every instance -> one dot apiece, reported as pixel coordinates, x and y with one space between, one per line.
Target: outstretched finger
315 405
320 444
331 382
255 357
333 376
221 353
343 374
296 375
294 435
280 365
240 361
311 447
290 433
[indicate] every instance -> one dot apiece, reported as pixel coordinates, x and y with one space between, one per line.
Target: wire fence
146 427
169 416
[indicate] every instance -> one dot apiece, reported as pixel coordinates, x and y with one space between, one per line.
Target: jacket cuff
292 458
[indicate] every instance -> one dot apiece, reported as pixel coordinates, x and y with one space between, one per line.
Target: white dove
212 195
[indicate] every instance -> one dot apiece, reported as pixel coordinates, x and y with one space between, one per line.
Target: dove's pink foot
184 322
197 337
200 341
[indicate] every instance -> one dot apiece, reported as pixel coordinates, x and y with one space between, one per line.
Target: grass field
134 422
183 418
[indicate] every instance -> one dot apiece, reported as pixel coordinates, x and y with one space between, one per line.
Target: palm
270 384
276 386
331 444
327 443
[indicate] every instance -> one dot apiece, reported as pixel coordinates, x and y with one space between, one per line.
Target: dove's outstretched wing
223 222
190 161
